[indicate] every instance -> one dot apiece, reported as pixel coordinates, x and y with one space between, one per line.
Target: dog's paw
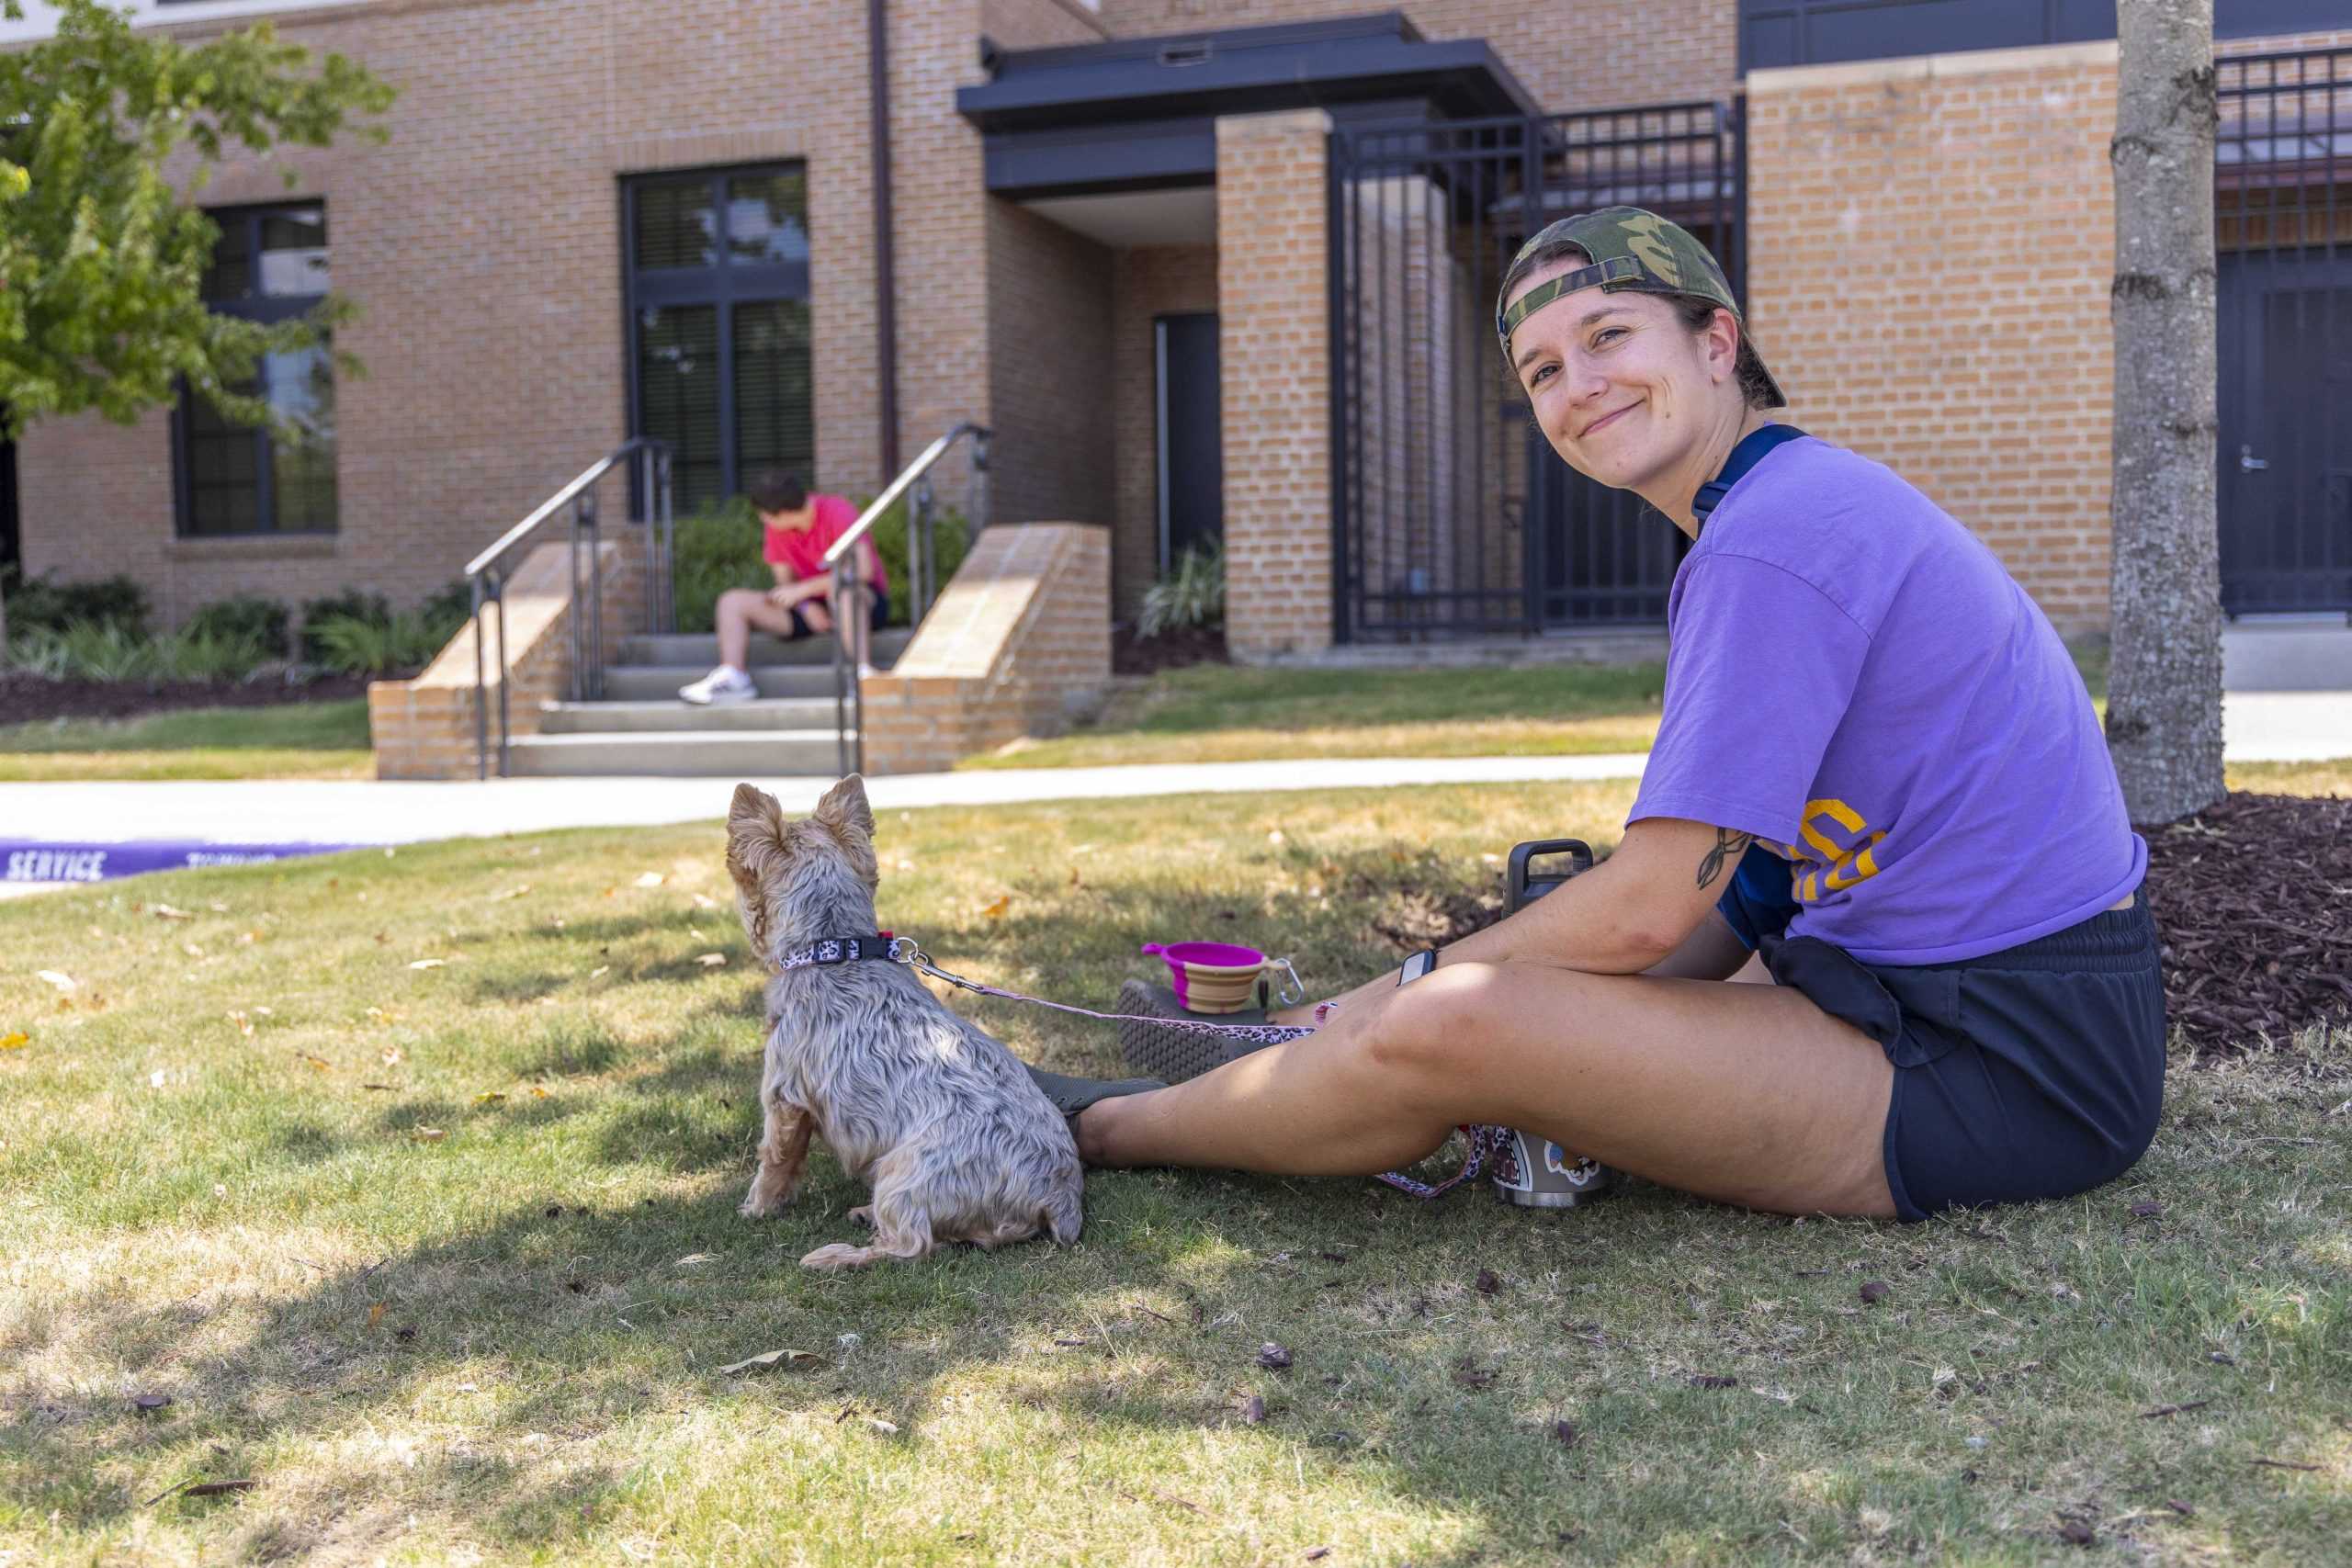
863 1215
840 1255
759 1205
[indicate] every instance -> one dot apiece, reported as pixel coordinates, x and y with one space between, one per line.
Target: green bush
355 645
249 617
448 609
352 603
718 548
92 651
1192 595
43 603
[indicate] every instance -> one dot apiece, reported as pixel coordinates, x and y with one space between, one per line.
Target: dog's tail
1063 1216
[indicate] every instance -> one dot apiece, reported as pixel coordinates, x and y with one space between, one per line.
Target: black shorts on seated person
801 629
2034 1072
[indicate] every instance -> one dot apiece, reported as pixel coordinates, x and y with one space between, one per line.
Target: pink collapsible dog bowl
1211 976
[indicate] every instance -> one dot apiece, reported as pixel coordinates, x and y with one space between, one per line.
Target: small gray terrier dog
939 1117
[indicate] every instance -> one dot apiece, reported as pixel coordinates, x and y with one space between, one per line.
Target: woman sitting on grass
1879 788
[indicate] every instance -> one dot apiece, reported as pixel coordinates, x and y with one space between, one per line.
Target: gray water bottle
1532 1171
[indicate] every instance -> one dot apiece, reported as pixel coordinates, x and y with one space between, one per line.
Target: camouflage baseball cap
1632 248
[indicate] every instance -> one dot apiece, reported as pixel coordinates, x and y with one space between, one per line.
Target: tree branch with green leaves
102 260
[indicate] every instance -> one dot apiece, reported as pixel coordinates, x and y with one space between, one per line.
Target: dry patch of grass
480 1310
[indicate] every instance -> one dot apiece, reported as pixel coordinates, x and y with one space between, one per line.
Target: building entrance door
2286 430
1192 447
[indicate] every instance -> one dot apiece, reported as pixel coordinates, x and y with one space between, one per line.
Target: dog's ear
754 829
845 809
844 814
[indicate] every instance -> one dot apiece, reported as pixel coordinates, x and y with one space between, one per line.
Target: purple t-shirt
1854 679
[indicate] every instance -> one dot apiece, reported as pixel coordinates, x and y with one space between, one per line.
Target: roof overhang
1138 113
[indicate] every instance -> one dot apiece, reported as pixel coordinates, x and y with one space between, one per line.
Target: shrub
718 548
43 603
248 617
355 645
448 609
92 650
1192 595
351 604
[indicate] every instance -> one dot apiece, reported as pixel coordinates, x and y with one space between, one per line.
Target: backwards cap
1631 249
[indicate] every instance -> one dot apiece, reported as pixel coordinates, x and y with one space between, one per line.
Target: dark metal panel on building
1825 32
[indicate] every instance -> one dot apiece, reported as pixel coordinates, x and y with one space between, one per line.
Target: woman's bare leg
1747 1093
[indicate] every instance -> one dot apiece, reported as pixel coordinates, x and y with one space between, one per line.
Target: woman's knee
1433 1028
737 601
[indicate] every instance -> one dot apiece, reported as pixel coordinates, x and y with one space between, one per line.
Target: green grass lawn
445 1259
293 740
1216 713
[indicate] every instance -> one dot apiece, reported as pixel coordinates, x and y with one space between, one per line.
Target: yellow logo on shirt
1837 852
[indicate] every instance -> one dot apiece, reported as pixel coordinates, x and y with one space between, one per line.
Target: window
1820 33
269 266
718 358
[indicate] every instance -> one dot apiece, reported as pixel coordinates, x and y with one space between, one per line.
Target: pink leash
1486 1142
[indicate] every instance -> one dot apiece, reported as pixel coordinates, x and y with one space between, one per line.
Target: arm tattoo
1728 846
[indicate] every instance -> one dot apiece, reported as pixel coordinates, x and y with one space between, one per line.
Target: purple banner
22 861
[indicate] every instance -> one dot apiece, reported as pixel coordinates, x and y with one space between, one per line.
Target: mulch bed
1171 650
27 698
2253 901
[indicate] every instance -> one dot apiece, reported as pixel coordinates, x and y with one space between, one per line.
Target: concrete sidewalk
2260 726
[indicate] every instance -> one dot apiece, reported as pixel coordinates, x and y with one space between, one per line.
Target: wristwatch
1418 965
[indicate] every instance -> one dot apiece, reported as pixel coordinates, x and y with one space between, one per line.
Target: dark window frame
252 306
724 283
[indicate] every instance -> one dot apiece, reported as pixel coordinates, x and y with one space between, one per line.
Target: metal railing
487 574
922 557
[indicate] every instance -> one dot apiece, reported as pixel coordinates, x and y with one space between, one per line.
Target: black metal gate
2283 180
1451 512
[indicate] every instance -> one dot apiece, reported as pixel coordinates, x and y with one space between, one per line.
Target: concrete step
660 682
767 714
689 754
702 648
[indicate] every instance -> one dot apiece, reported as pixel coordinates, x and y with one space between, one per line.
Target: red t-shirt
803 549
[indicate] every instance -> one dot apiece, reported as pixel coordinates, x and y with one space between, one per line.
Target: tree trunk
2164 692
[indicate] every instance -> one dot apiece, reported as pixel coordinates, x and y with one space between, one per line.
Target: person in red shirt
798 528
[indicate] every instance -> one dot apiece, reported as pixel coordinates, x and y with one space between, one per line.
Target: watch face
1418 965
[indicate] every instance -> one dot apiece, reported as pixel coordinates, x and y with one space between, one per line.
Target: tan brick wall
1020 639
1150 281
1570 54
1272 340
425 727
1049 369
1931 246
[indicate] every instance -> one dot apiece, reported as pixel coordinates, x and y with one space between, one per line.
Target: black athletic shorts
800 627
2034 1072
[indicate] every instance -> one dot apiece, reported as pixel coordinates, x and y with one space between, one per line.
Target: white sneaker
724 684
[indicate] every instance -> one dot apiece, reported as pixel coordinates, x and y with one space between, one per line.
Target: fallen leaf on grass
652 879
320 1063
599 972
705 901
490 1097
1490 1283
392 1055
2073 1532
888 1428
711 960
147 1402
166 912
428 1134
2146 1210
2162 1410
375 1313
1564 1433
1704 1380
1875 1291
995 911
2177 1506
510 893
694 1258
1253 1410
62 982
156 1079
1318 1554
1470 1374
793 1360
1273 1357
15 1039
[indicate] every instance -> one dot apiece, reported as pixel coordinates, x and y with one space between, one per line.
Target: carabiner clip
1290 992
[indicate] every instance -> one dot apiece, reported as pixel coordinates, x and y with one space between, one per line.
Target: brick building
1212 268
